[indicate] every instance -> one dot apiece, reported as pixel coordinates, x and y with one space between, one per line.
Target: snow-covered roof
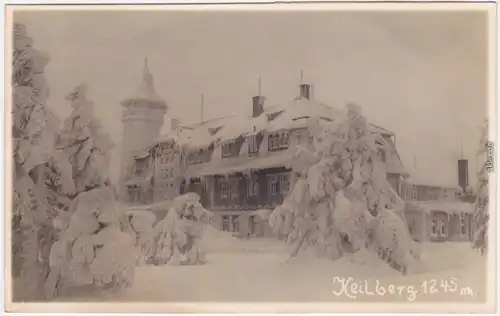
450 207
417 178
295 114
291 115
393 163
146 90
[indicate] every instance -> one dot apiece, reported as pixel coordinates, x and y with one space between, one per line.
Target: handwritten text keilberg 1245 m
354 289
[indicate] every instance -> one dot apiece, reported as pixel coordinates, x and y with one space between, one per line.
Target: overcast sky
421 75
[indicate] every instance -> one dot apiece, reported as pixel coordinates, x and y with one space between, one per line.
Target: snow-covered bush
179 235
481 213
94 246
142 222
341 201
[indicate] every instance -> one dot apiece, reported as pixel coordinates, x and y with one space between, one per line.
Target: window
414 194
284 140
225 223
226 150
251 224
235 223
442 230
253 188
234 188
224 190
463 228
285 184
252 145
272 116
278 141
274 185
434 231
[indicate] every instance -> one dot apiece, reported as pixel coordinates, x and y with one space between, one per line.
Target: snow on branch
342 202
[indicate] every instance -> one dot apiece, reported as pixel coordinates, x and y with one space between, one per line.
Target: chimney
258 105
463 173
305 91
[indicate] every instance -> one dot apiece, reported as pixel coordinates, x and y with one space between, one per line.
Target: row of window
419 193
166 159
231 223
278 184
137 195
165 185
167 173
278 140
440 227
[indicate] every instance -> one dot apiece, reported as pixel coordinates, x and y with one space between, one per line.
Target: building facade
440 220
238 164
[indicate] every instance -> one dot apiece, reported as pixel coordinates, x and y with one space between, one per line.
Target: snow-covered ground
259 270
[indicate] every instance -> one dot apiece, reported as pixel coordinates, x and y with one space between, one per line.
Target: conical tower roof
146 90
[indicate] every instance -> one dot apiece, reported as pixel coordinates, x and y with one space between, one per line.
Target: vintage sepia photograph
333 155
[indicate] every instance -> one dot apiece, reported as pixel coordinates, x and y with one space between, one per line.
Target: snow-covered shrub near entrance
342 202
179 234
481 213
95 246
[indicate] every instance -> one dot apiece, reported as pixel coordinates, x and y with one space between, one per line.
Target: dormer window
278 140
226 149
272 116
301 118
232 147
253 146
214 130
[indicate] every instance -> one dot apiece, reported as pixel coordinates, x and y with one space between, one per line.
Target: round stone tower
142 117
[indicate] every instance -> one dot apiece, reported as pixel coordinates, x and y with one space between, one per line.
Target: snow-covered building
417 191
240 164
440 220
143 117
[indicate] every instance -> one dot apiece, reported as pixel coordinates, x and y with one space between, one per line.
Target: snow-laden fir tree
481 215
95 243
342 202
34 133
85 144
178 237
95 250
